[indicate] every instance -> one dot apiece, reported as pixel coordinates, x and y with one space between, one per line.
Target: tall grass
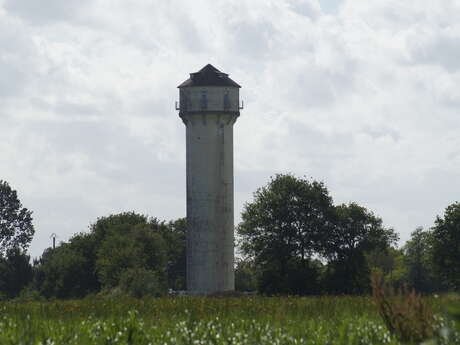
404 312
194 320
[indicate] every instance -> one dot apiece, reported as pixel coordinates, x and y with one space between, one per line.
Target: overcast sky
363 95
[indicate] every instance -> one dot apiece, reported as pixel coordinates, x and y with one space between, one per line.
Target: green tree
16 229
391 263
130 247
68 271
120 220
355 233
245 276
280 232
15 272
174 235
60 272
140 282
446 246
150 250
419 261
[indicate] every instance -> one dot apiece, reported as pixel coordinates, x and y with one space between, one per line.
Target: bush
245 276
140 282
29 294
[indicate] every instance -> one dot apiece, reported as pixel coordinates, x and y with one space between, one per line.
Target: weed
406 315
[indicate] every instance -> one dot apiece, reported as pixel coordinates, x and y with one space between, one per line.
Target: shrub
140 282
29 294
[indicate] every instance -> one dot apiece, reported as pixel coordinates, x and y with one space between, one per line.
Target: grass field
188 320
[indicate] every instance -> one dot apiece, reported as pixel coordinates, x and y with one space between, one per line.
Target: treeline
292 240
124 253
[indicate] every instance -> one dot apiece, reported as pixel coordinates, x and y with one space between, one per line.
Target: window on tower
204 100
226 100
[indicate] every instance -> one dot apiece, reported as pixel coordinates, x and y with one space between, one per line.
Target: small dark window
204 100
226 100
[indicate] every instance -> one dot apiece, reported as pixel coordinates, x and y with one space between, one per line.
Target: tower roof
208 76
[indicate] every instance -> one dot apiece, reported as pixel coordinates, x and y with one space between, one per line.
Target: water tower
209 106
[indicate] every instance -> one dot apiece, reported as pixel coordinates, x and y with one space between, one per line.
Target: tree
280 232
16 229
119 248
174 235
120 220
419 261
61 273
172 244
356 231
133 247
245 276
446 246
390 263
15 272
68 271
140 282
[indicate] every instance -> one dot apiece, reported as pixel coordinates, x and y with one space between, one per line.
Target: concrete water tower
209 106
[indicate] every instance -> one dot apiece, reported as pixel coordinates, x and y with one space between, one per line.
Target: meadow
195 320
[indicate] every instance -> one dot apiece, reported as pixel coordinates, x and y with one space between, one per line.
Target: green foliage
62 273
418 259
245 276
446 246
174 235
69 270
16 229
104 225
280 231
355 233
116 244
453 307
29 294
140 282
130 248
390 263
15 272
292 222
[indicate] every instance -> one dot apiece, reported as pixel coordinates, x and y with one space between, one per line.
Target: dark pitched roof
209 76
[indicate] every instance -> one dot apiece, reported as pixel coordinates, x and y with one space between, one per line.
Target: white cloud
360 94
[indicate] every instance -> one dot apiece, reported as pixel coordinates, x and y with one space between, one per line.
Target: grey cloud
318 87
191 38
331 6
111 152
44 12
17 56
252 39
376 133
305 8
442 50
320 148
13 79
78 109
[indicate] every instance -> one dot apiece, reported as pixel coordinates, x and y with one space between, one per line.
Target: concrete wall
210 222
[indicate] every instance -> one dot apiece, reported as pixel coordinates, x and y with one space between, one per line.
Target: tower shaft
210 239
